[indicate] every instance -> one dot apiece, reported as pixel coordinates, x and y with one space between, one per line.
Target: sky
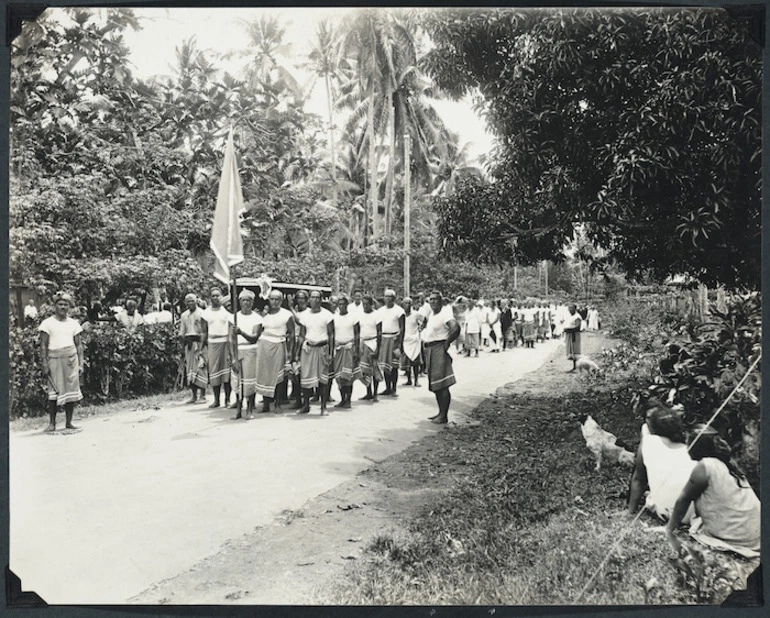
219 30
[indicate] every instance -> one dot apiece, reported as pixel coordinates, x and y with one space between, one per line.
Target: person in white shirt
217 320
572 335
412 356
371 339
316 343
61 353
301 301
356 307
131 319
245 362
30 312
347 345
493 319
165 316
273 336
392 317
472 329
484 319
441 329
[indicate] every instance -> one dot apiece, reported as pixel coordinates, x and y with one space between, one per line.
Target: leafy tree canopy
642 125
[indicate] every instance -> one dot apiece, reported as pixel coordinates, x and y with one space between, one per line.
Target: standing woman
245 365
441 329
572 335
273 336
192 333
347 339
61 352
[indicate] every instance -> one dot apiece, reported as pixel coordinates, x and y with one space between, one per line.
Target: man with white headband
316 347
245 365
192 329
392 347
273 336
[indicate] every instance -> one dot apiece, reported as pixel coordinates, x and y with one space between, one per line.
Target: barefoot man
371 338
316 346
572 335
392 346
347 335
192 330
245 366
412 357
61 353
218 321
441 329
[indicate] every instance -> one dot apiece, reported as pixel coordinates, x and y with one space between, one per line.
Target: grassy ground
525 519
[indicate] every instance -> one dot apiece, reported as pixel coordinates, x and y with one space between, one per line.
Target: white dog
585 364
603 444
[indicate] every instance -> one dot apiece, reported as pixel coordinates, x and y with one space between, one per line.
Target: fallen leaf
349 557
348 507
355 539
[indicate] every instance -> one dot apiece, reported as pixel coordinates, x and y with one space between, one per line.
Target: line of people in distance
250 353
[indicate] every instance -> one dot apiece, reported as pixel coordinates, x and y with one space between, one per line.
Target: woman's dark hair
711 444
666 423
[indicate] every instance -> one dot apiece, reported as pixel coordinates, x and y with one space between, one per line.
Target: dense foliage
117 364
640 125
694 364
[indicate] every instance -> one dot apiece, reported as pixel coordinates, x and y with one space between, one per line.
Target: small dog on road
603 444
585 364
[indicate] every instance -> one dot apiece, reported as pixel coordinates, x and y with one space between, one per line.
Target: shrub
699 363
116 364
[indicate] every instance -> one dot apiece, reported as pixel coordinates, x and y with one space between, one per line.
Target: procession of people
292 351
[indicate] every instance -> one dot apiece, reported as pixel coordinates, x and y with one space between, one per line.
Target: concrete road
136 497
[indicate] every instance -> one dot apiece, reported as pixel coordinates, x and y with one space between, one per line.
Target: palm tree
325 58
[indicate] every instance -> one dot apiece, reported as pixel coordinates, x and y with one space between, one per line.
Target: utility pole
407 213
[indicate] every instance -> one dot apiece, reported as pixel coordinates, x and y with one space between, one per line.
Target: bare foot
440 420
190 401
50 429
417 384
304 410
214 405
341 404
366 398
234 405
70 426
375 399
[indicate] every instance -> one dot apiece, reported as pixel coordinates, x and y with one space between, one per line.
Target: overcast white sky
219 30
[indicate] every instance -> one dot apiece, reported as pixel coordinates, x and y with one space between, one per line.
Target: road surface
137 497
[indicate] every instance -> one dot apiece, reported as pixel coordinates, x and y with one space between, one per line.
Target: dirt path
138 497
293 560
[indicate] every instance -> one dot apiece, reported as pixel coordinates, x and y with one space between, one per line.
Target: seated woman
727 509
663 464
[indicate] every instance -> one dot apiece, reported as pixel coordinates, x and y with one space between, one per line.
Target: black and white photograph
397 306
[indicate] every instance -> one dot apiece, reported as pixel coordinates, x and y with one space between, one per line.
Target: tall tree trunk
372 162
332 153
391 165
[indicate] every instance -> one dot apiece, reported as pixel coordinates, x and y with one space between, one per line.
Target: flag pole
233 302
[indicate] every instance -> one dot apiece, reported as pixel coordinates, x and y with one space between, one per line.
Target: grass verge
525 519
